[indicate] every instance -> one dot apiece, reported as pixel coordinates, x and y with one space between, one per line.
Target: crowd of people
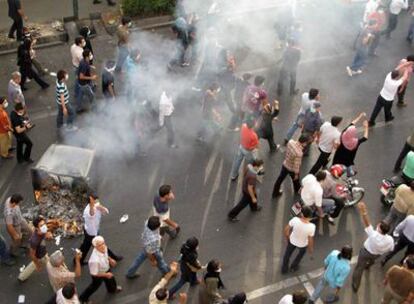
252 115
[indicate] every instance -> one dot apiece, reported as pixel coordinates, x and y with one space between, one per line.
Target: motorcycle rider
330 191
312 196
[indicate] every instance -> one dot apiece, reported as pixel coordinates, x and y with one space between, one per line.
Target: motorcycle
388 187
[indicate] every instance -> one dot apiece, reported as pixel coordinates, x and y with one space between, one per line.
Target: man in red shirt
249 143
5 130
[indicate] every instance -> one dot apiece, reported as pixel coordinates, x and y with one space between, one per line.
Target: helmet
337 170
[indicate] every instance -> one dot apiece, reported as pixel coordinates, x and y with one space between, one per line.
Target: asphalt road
251 249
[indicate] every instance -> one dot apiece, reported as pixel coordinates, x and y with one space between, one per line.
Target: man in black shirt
85 79
108 87
16 13
20 126
290 61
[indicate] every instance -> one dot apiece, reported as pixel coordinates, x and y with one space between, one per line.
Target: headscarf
349 138
213 271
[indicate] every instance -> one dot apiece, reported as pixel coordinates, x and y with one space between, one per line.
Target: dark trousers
339 205
170 130
245 201
321 162
284 74
29 72
401 94
87 244
401 244
288 253
407 148
17 27
184 278
382 103
365 261
23 141
282 175
123 53
70 117
392 25
110 285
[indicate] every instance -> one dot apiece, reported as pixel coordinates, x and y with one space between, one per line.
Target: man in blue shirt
337 268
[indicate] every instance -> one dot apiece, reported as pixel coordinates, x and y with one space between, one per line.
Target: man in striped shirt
65 108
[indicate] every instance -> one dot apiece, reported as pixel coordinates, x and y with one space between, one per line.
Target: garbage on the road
21 299
22 268
53 74
124 218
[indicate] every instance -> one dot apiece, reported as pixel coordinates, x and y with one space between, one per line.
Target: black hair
68 291
2 99
303 138
214 86
78 40
125 20
346 252
192 243
86 53
410 262
336 120
161 294
18 107
84 31
299 297
385 227
246 76
213 266
110 64
153 223
61 74
320 175
164 190
410 58
16 198
412 185
307 211
37 220
257 162
313 93
259 80
395 74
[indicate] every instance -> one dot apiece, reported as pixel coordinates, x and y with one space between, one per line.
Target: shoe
9 156
396 170
354 288
258 208
97 1
391 119
118 288
234 130
12 149
401 104
177 230
277 194
174 146
371 124
310 302
285 142
185 64
72 128
233 219
45 87
383 262
295 92
131 277
234 178
23 89
111 3
358 71
330 220
119 258
350 73
29 161
12 36
294 269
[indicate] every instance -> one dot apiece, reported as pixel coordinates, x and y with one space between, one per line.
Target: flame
37 195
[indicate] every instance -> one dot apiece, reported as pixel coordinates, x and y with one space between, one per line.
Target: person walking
37 252
403 205
108 81
405 233
312 123
377 244
408 146
396 6
290 61
20 127
386 97
151 241
328 140
249 193
189 265
241 83
16 225
65 108
17 14
265 127
361 55
14 90
399 283
297 297
209 292
92 215
337 268
5 130
166 110
403 87
291 165
211 118
161 208
299 234
248 148
123 34
85 78
57 271
308 99
254 98
100 264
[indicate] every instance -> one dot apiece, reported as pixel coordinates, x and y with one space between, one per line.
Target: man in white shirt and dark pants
166 109
297 297
386 97
328 140
100 269
377 244
396 6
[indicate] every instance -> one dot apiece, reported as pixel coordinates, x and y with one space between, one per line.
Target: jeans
29 72
360 58
318 289
242 153
170 130
365 260
410 34
142 256
322 161
4 253
23 140
401 94
17 27
294 127
192 279
85 90
245 201
382 103
110 284
402 242
123 53
407 148
282 175
288 253
374 44
392 25
206 126
284 74
70 118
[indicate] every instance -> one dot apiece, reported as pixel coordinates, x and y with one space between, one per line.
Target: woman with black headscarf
189 265
209 291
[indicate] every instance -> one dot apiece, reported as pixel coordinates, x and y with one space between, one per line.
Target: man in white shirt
299 234
312 195
166 109
386 97
396 6
377 244
297 297
92 215
370 7
76 51
308 99
328 139
67 295
100 269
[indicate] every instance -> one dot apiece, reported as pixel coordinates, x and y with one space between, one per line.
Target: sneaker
185 64
173 146
276 194
233 219
371 124
71 128
131 277
30 161
350 73
391 119
401 104
234 178
285 142
118 288
330 220
258 208
358 71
